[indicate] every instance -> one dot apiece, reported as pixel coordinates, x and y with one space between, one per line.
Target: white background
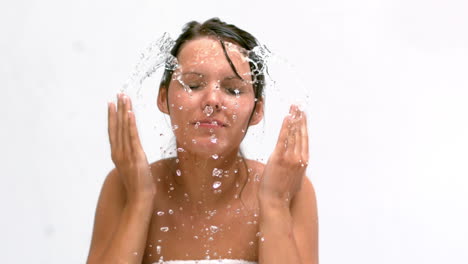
387 119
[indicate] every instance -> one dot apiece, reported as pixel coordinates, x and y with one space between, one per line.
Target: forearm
128 242
277 243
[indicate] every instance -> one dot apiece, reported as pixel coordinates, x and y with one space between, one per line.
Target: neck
203 182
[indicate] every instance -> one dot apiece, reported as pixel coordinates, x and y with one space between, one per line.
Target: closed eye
233 91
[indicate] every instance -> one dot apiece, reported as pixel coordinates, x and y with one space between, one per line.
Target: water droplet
180 150
214 156
178 172
262 239
213 139
216 184
217 172
208 110
158 250
237 92
135 253
197 124
194 141
234 117
164 228
160 213
181 107
251 243
196 237
174 127
170 211
214 229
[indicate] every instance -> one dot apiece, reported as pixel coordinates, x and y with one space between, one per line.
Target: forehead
206 54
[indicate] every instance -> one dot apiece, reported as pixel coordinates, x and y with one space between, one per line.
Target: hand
127 152
286 167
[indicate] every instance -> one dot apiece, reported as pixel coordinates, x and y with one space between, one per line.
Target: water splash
208 110
214 229
216 184
279 75
217 172
157 54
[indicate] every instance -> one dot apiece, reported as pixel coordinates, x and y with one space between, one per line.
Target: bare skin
178 209
202 230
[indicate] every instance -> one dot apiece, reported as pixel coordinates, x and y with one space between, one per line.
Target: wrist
271 208
141 200
273 202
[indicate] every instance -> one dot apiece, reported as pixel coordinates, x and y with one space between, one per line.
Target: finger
305 138
282 142
119 146
134 137
297 133
111 124
125 134
129 102
292 131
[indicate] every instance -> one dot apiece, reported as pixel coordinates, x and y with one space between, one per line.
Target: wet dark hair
216 28
224 32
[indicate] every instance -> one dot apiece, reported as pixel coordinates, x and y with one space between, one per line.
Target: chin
206 146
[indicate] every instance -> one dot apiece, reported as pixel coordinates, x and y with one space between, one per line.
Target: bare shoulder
160 167
305 221
255 165
110 205
305 199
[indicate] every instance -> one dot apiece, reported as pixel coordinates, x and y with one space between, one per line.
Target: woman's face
208 103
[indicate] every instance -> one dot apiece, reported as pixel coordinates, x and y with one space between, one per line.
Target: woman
208 202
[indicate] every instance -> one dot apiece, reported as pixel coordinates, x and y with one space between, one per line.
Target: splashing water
214 229
217 172
158 250
216 184
156 55
278 76
208 110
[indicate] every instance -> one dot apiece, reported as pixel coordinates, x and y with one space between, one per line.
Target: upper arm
305 222
109 208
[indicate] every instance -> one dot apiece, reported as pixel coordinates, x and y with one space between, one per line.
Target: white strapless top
208 261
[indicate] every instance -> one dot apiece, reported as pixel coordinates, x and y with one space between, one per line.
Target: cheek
239 112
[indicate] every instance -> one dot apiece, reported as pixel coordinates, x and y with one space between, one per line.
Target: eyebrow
225 78
191 72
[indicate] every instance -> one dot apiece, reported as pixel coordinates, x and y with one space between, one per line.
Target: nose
213 97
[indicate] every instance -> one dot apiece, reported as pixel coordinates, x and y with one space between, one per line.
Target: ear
162 99
258 113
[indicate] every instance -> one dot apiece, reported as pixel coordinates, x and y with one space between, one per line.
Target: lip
212 123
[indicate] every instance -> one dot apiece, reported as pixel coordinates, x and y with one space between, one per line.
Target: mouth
210 123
